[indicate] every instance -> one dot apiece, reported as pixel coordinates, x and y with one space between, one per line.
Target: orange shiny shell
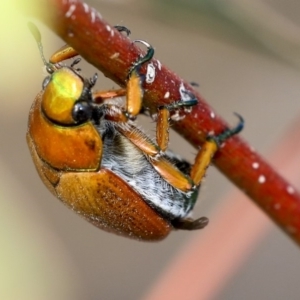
68 160
64 148
108 202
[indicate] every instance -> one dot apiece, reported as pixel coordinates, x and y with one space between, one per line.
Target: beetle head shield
60 95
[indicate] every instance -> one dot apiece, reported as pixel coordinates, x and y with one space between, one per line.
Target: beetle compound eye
46 82
82 112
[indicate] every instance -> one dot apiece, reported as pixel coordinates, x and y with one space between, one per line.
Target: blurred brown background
246 57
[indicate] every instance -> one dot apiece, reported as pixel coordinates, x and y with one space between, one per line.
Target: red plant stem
221 252
218 253
99 43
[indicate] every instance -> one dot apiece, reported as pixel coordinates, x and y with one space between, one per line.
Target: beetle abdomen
127 161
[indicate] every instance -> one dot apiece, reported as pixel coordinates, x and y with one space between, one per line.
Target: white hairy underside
129 163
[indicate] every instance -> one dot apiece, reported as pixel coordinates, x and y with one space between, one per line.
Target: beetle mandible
90 154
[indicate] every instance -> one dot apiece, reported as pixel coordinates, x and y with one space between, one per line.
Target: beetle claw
228 133
143 59
190 224
93 80
121 28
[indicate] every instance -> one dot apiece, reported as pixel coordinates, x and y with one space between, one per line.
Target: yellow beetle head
67 98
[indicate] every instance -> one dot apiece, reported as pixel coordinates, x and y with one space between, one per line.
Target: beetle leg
166 169
134 95
123 29
65 52
190 224
148 56
133 91
101 96
174 176
163 117
162 127
139 139
209 148
202 161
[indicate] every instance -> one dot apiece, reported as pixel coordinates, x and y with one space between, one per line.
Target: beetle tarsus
121 28
75 62
190 224
228 133
179 104
143 59
195 84
93 80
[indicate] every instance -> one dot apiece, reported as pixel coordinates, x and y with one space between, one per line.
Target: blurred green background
246 57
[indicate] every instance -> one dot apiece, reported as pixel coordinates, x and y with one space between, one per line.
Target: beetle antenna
38 38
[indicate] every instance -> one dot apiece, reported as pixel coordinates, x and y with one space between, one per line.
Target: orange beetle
90 154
